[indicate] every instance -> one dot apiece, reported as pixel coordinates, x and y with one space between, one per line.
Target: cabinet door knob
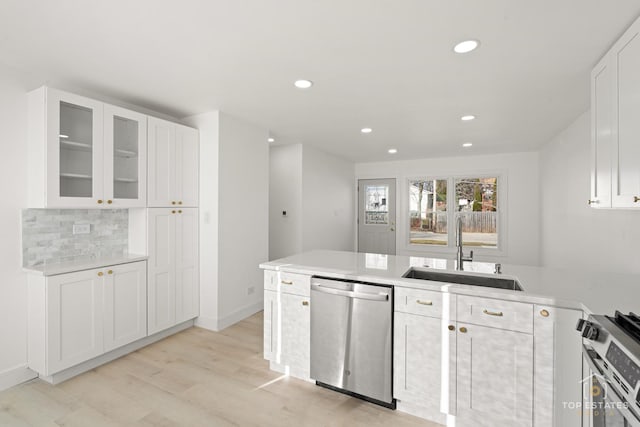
286 282
99 201
173 202
100 274
305 302
109 201
180 211
180 202
452 328
463 330
544 313
110 272
173 212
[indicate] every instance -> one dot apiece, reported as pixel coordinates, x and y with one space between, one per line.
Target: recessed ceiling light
303 84
392 151
466 46
63 136
467 144
366 130
467 118
270 140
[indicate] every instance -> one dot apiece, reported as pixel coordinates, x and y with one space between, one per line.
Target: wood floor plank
194 378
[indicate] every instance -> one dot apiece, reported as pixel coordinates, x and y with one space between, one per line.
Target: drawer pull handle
424 302
493 313
636 199
286 282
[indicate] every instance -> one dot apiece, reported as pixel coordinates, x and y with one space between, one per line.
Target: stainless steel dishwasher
351 338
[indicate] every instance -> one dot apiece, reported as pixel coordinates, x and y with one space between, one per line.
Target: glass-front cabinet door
75 150
125 148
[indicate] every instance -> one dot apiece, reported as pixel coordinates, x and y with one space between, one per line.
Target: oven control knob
591 332
580 324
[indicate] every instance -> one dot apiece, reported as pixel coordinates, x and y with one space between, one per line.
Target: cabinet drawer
270 280
296 284
418 301
513 316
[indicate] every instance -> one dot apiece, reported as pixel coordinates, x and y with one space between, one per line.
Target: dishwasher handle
381 296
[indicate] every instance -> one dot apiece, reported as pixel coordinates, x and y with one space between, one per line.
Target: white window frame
450 248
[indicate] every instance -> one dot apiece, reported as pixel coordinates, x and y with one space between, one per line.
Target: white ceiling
383 64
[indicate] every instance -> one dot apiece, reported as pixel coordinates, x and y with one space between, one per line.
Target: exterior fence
472 222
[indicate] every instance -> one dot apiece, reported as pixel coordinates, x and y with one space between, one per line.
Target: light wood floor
194 378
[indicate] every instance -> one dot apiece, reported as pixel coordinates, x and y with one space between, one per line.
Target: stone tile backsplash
47 235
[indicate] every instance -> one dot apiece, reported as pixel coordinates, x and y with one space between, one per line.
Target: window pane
428 212
376 207
477 205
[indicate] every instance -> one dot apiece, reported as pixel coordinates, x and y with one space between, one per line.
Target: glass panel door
76 150
126 148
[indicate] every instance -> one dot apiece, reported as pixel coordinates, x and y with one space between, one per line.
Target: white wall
13 188
573 234
317 191
520 215
285 194
243 218
208 123
328 194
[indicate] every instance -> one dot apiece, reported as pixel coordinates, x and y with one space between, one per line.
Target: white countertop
592 292
85 264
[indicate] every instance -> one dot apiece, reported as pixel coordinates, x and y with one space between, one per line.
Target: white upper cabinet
83 153
601 133
626 164
173 164
125 156
615 124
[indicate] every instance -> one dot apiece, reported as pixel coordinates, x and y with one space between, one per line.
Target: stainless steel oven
612 351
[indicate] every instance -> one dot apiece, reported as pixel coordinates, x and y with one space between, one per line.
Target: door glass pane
376 206
428 212
125 164
76 151
477 204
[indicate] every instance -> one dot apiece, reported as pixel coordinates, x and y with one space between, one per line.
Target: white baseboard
209 323
14 376
239 315
114 354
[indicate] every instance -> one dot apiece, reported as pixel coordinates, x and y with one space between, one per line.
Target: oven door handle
613 395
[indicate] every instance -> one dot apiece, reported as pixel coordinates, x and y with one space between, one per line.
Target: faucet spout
460 258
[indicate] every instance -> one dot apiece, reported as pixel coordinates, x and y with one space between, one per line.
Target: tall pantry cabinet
172 225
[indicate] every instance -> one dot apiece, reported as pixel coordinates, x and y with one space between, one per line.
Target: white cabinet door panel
418 361
494 377
296 338
125 304
187 166
626 165
74 319
601 133
162 153
161 269
187 273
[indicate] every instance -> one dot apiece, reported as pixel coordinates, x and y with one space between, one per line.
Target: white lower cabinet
417 359
494 378
287 330
125 305
173 267
296 334
78 316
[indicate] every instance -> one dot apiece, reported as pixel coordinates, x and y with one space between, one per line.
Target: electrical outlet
250 290
81 228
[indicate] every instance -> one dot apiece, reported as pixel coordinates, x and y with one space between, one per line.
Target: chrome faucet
460 258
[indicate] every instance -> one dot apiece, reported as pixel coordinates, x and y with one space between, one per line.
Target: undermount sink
463 279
